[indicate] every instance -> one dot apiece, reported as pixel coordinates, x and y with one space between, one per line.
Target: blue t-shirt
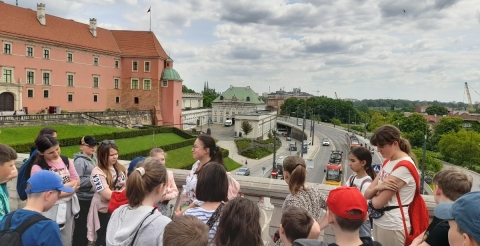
45 232
4 204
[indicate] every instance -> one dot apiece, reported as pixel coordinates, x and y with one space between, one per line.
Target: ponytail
297 170
145 178
405 146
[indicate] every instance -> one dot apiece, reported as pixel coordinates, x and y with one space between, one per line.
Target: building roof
139 43
170 74
23 23
239 94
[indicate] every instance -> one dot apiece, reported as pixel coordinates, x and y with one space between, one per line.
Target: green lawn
128 145
27 134
182 159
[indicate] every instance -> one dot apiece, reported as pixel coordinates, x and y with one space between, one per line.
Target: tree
448 124
414 128
246 127
186 90
208 96
460 148
435 109
336 122
431 163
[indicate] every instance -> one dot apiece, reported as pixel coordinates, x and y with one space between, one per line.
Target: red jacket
117 200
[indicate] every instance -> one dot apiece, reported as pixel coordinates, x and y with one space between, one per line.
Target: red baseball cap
344 199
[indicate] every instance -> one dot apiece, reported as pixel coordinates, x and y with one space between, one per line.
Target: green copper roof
239 94
169 60
170 74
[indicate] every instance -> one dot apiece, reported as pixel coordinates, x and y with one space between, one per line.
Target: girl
204 151
107 177
361 164
239 224
388 229
301 195
48 158
139 222
212 189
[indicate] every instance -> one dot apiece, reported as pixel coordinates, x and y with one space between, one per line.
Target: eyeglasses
108 142
196 147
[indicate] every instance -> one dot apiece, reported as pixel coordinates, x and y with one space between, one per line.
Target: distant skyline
362 49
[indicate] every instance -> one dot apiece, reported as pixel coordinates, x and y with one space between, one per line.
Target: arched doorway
7 102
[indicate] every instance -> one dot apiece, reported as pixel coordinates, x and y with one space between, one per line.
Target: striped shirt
204 215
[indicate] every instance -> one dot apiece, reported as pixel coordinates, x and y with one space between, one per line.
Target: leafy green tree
208 97
336 122
431 163
460 148
185 89
435 109
246 127
448 124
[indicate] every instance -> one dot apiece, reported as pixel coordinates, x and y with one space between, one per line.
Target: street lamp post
303 129
274 144
422 181
349 120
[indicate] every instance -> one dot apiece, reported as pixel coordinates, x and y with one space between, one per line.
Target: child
43 190
388 229
48 158
139 222
171 191
450 184
296 223
107 177
186 230
84 161
361 163
8 171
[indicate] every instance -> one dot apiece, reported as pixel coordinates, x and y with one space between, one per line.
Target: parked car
326 142
289 139
244 171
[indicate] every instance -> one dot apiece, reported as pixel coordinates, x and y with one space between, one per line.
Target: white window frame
117 99
5 43
33 51
12 75
68 95
43 53
116 83
69 53
43 95
33 92
73 79
150 84
95 94
131 84
96 60
145 66
134 70
164 83
26 76
116 63
49 77
98 81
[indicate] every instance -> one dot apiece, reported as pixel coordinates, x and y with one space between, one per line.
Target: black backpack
14 237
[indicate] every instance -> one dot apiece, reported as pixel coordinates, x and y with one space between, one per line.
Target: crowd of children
96 200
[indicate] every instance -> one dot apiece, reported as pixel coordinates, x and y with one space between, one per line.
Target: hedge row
146 152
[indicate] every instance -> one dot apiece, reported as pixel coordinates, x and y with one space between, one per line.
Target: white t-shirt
392 220
357 183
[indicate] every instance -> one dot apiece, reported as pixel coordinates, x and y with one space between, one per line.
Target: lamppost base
209 131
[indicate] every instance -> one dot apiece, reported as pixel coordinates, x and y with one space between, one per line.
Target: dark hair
239 224
46 131
349 225
7 154
454 183
43 143
215 151
212 184
297 169
363 154
389 134
297 223
186 230
103 152
139 186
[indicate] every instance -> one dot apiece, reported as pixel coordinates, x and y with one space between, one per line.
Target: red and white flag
149 10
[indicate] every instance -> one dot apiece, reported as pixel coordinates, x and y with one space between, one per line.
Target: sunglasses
108 142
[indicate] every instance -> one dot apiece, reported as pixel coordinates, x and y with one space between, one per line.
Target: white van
228 122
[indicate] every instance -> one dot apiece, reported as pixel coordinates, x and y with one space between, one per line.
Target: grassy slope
182 159
27 134
128 145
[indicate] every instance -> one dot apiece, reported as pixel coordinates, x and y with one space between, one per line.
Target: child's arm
171 191
418 240
99 181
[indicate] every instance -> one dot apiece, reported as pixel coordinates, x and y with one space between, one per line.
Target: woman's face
52 153
112 156
199 151
355 164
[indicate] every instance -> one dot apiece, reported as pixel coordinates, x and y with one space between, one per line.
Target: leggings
102 232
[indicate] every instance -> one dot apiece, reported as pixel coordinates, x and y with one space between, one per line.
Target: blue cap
464 211
134 163
44 180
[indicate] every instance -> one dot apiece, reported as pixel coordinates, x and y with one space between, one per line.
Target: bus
352 141
333 174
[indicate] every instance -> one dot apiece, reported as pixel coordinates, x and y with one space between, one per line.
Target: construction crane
336 97
478 107
469 98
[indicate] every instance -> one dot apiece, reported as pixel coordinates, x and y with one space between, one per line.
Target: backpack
352 179
24 174
417 209
14 237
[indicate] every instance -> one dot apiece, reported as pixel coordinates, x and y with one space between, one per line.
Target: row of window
46 78
46 94
7 49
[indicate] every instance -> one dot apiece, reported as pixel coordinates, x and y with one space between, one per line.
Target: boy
43 189
463 217
296 223
8 171
450 184
347 211
186 230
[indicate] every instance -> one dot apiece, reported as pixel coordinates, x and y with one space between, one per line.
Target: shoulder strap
352 179
65 161
136 233
32 220
116 176
363 182
385 162
215 216
7 222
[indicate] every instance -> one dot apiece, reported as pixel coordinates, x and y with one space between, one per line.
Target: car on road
289 139
244 171
326 142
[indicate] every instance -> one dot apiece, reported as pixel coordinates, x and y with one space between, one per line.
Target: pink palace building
47 61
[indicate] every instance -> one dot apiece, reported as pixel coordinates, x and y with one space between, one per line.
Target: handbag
215 216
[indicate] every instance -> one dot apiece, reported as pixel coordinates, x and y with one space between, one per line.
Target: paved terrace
271 191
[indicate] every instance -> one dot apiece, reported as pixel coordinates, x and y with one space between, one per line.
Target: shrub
242 143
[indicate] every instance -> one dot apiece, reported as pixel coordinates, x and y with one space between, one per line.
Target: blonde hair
147 176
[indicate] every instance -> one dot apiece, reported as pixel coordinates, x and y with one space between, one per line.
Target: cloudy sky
401 49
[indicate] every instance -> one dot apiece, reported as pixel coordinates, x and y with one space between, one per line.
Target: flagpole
150 19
